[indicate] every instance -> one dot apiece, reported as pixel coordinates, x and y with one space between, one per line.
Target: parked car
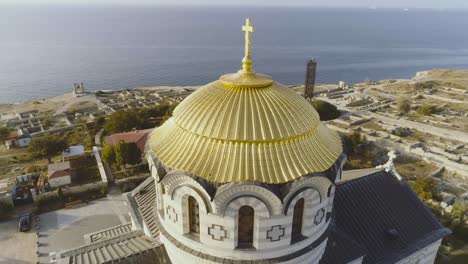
25 222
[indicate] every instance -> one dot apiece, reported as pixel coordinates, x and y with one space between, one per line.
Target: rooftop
246 127
138 137
385 217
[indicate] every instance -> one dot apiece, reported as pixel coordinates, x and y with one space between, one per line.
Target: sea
45 49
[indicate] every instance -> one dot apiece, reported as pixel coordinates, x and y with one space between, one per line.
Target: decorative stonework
276 233
171 213
217 232
319 216
227 194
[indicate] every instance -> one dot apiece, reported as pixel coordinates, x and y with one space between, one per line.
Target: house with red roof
139 137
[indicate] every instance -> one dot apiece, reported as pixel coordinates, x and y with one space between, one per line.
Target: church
245 172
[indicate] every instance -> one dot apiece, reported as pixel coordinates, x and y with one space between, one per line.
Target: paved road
16 247
64 229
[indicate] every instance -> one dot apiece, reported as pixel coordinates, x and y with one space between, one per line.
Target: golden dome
246 127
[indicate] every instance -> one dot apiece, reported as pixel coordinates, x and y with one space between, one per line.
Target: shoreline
59 101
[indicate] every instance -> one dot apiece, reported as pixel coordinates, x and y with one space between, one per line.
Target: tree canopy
139 118
47 147
326 110
4 133
120 154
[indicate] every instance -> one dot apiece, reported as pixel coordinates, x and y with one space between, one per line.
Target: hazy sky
329 3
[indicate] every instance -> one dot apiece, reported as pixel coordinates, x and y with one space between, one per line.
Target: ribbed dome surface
231 133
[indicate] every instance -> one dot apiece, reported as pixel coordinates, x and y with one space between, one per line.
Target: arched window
246 227
298 215
194 216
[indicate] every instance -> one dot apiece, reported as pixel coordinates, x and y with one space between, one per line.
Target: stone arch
236 203
181 196
230 193
310 195
318 183
177 179
183 191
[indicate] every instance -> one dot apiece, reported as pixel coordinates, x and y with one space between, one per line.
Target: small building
21 140
59 174
138 137
73 152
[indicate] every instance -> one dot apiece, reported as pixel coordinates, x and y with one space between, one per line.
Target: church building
245 172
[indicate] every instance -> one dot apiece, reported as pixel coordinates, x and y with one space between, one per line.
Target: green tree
122 121
352 141
100 121
426 110
127 153
403 105
4 133
47 147
326 110
108 155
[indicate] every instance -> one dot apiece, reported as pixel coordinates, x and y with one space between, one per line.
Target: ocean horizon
45 49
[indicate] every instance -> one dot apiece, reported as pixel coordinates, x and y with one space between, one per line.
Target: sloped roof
341 248
224 133
138 137
58 169
385 217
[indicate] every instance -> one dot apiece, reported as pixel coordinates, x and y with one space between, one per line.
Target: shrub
403 105
425 85
425 189
326 110
6 208
48 202
353 141
426 110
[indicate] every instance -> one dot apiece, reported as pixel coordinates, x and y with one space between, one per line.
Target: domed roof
246 127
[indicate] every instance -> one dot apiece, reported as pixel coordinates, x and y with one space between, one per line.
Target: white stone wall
60 181
219 218
179 256
426 255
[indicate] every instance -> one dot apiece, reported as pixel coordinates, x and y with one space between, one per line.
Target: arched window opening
194 216
246 227
298 216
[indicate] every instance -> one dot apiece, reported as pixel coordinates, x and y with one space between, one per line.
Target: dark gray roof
340 248
385 217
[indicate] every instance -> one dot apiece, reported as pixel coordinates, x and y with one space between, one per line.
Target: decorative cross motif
217 232
319 216
248 28
171 213
275 233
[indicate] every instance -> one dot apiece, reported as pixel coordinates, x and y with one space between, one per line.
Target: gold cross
247 61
